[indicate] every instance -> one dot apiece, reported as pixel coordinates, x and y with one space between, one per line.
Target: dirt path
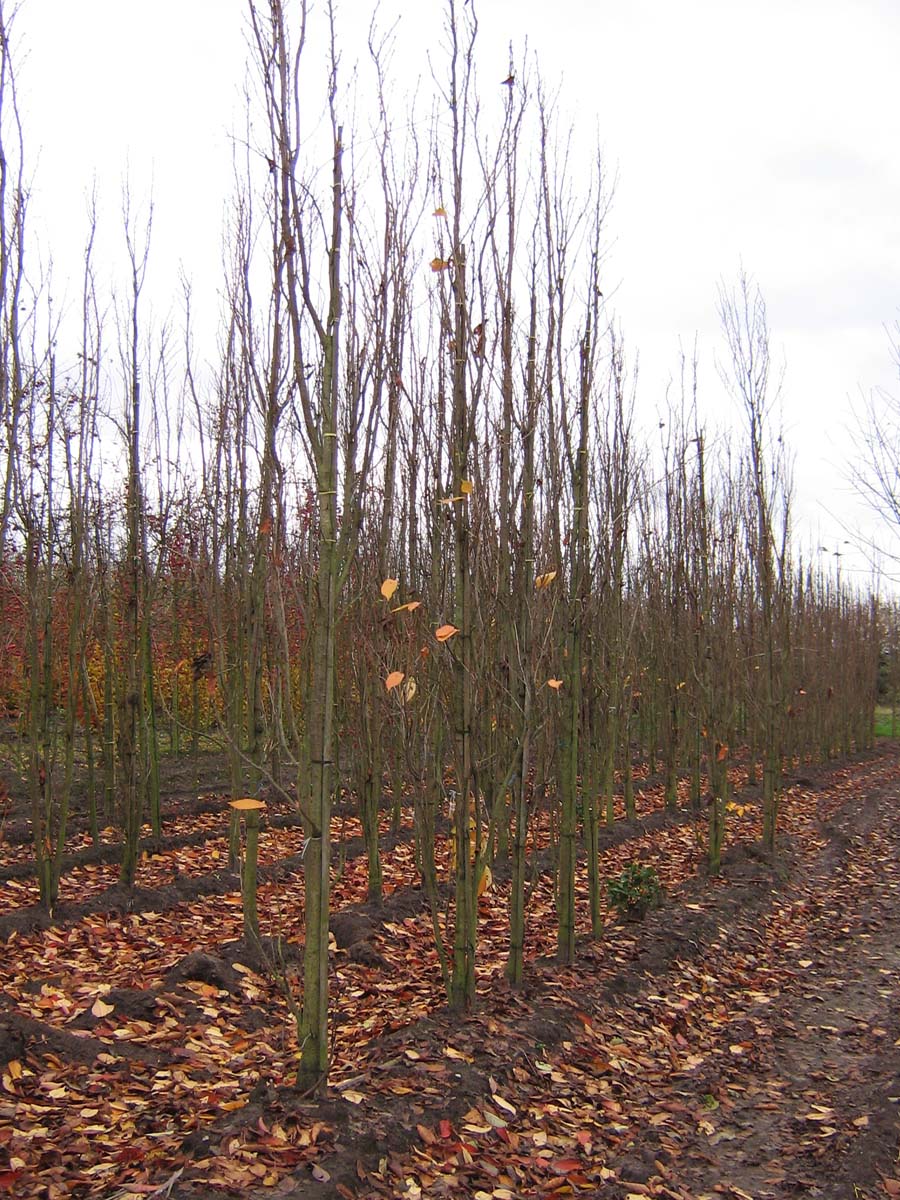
819 1115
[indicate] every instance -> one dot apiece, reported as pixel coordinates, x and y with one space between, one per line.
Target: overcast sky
763 135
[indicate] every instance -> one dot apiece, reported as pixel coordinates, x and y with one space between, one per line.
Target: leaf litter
741 1041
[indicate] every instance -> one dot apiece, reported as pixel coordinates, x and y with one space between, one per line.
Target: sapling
251 810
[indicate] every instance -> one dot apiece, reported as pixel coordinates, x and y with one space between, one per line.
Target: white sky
762 134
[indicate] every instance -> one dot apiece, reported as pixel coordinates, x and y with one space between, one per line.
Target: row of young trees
407 530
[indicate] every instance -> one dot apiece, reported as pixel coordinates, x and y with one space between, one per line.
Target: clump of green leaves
635 891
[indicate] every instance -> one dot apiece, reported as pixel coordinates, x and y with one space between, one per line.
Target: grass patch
886 723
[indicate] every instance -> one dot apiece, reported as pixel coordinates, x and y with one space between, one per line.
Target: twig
164 1189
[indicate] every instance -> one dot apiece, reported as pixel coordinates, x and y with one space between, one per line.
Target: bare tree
744 323
132 726
13 204
875 472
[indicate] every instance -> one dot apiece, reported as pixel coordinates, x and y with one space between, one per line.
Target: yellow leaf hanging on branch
556 684
394 680
389 587
445 632
545 580
410 606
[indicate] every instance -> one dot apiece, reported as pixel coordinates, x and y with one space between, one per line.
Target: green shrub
635 891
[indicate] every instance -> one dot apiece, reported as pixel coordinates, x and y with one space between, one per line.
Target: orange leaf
543 581
411 606
445 632
556 684
467 487
722 753
389 587
247 804
394 680
440 264
563 1166
440 211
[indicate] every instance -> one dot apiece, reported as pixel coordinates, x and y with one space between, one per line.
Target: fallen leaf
564 1166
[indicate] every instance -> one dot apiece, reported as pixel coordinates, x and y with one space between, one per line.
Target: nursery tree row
402 535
